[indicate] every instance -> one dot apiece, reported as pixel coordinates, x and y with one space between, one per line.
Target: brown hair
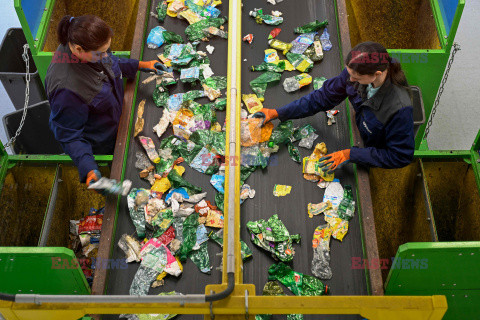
370 57
90 32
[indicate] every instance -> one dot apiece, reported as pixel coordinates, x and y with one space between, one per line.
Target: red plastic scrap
274 33
248 38
167 236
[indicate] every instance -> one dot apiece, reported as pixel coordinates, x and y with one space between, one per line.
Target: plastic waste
313 167
152 265
177 181
273 67
312 26
321 253
271 56
275 32
346 208
149 147
293 152
162 10
281 190
325 39
218 182
210 49
195 31
259 85
318 82
280 45
190 74
334 193
108 186
300 62
140 122
253 133
302 132
214 31
316 209
298 283
253 157
302 42
265 18
252 102
296 82
175 7
248 38
217 236
171 37
246 192
219 104
189 236
331 116
281 134
273 236
155 37
206 161
201 258
315 51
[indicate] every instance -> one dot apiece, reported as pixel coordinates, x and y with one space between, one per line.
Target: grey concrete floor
457 120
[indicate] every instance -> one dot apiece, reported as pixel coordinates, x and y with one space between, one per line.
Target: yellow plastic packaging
280 45
288 65
271 56
252 102
161 185
175 7
190 16
313 167
167 62
180 170
281 190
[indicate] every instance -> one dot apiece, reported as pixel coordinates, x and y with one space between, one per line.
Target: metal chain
27 95
456 47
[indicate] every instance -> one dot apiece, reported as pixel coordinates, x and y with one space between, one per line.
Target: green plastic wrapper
195 32
188 150
312 26
300 62
219 104
293 152
172 143
346 209
216 82
136 208
281 134
177 181
159 224
192 95
259 85
246 252
303 132
273 236
272 288
189 236
171 37
245 172
215 139
219 199
198 61
164 165
300 284
160 96
201 258
158 316
318 82
162 10
265 66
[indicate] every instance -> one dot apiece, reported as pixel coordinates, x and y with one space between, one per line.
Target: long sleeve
400 144
68 117
332 93
129 67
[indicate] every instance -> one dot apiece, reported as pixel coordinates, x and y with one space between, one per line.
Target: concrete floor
457 120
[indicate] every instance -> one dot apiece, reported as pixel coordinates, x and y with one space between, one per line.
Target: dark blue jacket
385 121
86 104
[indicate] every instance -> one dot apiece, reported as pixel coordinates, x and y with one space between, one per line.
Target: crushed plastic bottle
259 85
298 283
321 252
325 39
280 45
108 186
318 82
201 258
195 31
162 10
296 82
308 141
312 26
315 51
265 18
246 252
334 193
275 32
346 208
155 37
302 42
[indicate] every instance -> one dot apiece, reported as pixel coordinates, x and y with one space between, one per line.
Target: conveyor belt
292 208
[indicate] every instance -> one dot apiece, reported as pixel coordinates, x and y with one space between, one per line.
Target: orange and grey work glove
93 176
153 66
267 115
334 161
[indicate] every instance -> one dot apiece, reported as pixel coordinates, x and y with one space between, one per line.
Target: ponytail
90 32
396 74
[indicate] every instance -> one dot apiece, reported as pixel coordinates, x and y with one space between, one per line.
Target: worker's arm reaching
332 93
68 117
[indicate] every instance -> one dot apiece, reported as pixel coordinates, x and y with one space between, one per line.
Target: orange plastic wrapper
184 117
253 133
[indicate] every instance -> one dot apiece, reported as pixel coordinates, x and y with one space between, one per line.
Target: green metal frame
448 268
38 270
42 58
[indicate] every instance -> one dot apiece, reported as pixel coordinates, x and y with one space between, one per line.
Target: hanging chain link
27 95
456 47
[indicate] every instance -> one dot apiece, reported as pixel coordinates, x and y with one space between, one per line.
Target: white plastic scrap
276 13
206 71
210 49
162 125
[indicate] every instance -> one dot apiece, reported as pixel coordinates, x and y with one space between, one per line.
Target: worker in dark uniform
377 88
85 88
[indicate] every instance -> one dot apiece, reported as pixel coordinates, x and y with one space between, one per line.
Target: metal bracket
246 305
212 316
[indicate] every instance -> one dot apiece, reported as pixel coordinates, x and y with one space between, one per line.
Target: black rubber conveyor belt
291 209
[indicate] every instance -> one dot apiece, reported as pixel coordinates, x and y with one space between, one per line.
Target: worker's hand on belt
93 176
267 115
334 161
153 66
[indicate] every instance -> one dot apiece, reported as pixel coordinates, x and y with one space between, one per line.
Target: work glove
267 115
93 176
153 66
334 161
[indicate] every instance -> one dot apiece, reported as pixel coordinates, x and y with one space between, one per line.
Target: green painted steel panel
41 271
445 268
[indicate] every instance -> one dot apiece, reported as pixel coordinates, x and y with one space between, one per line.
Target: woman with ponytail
85 88
377 88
